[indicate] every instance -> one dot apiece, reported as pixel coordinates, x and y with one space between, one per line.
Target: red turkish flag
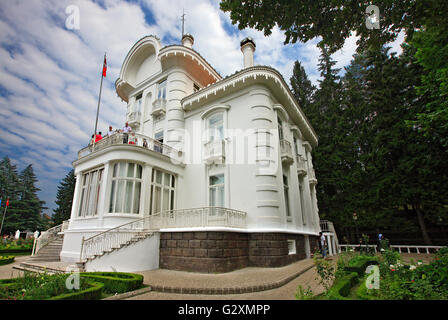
104 67
7 202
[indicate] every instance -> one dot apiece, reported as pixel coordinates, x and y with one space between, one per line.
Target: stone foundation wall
211 252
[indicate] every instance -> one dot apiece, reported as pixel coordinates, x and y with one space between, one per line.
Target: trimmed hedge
361 266
6 260
16 250
341 289
92 293
116 282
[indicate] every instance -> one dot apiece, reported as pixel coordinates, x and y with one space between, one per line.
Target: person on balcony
110 132
133 139
126 130
98 137
145 143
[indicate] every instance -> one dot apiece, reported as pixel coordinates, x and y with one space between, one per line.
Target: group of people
127 130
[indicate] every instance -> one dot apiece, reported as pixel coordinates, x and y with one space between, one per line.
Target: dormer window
161 90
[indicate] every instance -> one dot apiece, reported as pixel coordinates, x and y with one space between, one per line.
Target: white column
76 195
102 201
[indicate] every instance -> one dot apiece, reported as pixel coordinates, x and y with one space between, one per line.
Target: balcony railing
301 165
132 141
286 151
158 107
134 118
214 151
312 177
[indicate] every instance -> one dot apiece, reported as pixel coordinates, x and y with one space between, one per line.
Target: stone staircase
50 252
136 238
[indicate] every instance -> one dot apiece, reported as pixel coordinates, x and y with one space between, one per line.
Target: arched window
126 188
215 127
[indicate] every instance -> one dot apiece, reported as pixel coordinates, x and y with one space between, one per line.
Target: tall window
138 103
159 138
126 188
302 205
215 126
216 191
286 192
163 186
161 90
280 128
90 191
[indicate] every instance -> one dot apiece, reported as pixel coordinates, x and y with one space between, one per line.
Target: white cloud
50 76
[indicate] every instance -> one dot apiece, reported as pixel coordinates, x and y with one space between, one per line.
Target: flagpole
99 99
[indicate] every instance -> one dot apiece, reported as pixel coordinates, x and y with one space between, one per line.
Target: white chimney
248 49
187 40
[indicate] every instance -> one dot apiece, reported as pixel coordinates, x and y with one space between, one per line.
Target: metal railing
214 150
416 247
197 217
45 238
408 248
133 140
301 165
285 148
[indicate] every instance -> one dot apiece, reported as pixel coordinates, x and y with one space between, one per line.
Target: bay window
90 191
163 186
125 188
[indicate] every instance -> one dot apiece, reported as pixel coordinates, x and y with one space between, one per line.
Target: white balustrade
45 238
183 218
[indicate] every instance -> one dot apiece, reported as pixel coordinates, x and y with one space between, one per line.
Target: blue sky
50 74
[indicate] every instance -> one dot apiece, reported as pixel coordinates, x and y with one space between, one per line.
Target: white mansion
217 176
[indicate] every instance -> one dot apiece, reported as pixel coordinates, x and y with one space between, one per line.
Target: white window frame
170 188
161 89
116 180
85 210
215 189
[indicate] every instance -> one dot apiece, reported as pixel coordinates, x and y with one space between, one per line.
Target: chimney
187 40
248 49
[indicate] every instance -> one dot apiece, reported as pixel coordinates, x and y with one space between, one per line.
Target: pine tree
302 88
64 199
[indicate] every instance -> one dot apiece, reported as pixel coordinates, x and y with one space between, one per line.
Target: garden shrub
6 260
359 264
116 282
342 286
92 293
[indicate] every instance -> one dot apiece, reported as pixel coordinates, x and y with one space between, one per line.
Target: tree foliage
25 207
64 198
334 21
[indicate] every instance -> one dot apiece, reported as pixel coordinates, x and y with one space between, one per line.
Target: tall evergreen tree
302 88
64 198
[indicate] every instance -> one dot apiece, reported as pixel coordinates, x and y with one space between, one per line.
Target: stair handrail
45 238
177 218
108 239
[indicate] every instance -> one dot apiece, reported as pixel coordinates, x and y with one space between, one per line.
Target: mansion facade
216 175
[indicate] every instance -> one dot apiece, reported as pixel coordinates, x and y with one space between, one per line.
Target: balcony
158 107
301 166
286 152
136 141
199 217
134 119
214 151
312 177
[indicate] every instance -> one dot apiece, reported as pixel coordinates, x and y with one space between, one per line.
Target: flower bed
395 281
92 285
6 260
